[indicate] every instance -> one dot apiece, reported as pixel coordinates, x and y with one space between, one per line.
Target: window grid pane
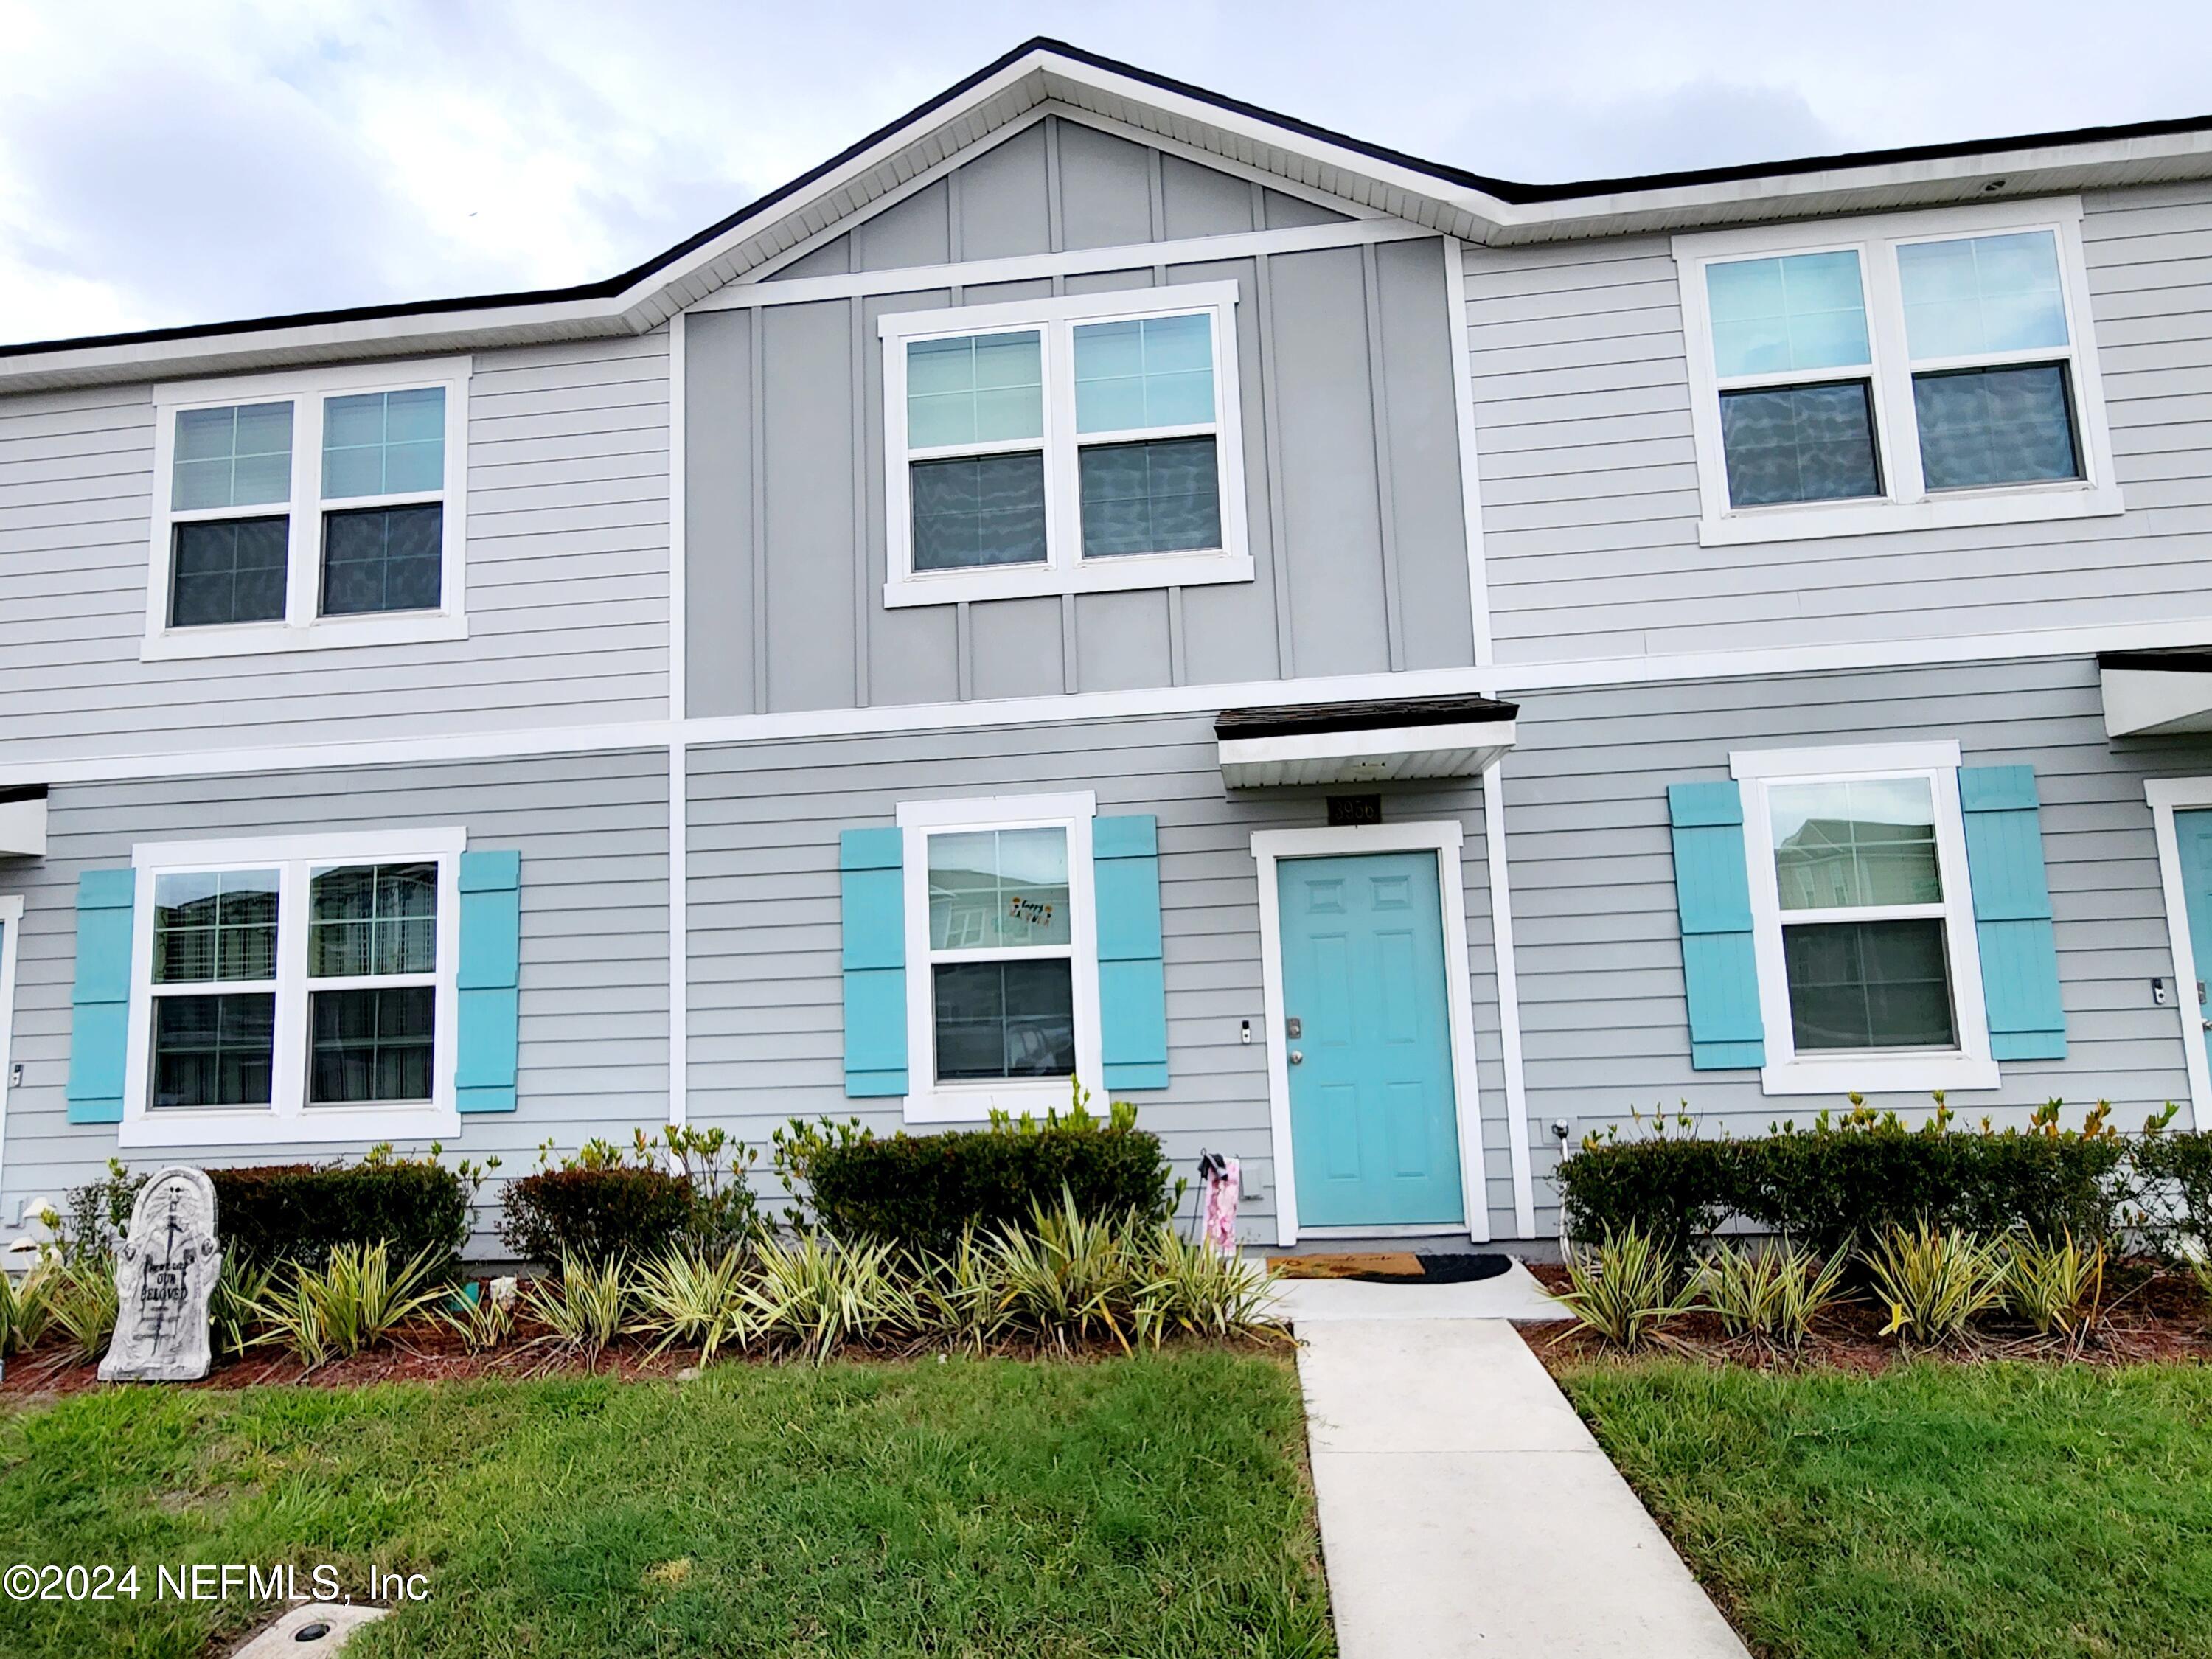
240 456
384 443
1976 294
1855 845
993 889
1160 496
374 919
973 513
1997 425
372 1045
1806 443
985 388
230 570
214 1050
1868 985
382 559
1801 311
1004 1019
1146 372
222 925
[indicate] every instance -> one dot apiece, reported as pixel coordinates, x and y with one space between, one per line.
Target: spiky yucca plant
2055 1287
82 1303
1934 1280
817 1297
1187 1287
696 1300
1772 1291
583 1309
1626 1290
1068 1278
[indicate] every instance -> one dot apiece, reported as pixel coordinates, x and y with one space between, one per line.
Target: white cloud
163 164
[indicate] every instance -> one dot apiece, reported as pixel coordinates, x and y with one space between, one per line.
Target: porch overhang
2155 694
22 823
1382 740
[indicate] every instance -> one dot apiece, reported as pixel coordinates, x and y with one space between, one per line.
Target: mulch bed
2149 1315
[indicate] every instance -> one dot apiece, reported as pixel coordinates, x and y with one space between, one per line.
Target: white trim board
679 808
1497 873
11 928
1470 469
1508 679
1446 838
2166 796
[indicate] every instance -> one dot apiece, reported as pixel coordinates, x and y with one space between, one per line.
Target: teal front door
2192 832
1373 1126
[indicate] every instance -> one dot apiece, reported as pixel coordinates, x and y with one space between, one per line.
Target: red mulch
2149 1315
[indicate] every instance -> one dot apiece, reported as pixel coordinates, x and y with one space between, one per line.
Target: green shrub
2174 1189
1841 1181
595 1214
924 1191
300 1212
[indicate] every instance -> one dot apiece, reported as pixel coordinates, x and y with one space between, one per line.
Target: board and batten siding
766 1022
1597 945
1589 479
568 576
1351 456
593 830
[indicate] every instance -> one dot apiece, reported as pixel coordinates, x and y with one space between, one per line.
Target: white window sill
953 1103
1878 1074
204 1127
338 634
1119 574
1945 511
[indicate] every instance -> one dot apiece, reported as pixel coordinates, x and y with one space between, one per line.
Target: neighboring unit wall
1597 943
593 830
568 576
1351 456
766 1018
1590 481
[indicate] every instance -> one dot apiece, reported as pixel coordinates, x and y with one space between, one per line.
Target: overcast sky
163 163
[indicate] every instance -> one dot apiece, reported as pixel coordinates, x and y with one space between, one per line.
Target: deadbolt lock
1294 1027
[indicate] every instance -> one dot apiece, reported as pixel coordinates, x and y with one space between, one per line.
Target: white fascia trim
1970 1066
2166 796
1446 838
931 1101
1470 469
289 1120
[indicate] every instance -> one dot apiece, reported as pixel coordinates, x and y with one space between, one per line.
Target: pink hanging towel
1219 1177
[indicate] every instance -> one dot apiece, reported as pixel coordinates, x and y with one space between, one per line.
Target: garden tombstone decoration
165 1274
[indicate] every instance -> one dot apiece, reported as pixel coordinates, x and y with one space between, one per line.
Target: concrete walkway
1514 1294
1465 1511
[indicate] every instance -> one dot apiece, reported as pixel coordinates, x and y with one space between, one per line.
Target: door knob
1298 1058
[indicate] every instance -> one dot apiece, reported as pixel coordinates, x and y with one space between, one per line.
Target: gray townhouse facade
1385 669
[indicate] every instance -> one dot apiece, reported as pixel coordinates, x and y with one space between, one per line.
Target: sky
164 164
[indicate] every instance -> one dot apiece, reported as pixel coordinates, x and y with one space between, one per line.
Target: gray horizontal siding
1589 479
1597 946
593 830
766 1023
568 576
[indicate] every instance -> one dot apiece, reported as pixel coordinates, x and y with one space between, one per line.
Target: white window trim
1908 504
1446 838
287 1119
1970 1065
928 1101
302 629
2166 796
1065 570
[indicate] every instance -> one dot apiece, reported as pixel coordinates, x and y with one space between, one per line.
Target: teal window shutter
873 908
490 981
1133 997
1712 896
99 1004
2012 912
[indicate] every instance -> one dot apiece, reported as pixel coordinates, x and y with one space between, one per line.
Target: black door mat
1396 1267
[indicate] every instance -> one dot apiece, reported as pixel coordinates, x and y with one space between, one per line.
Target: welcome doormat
1394 1267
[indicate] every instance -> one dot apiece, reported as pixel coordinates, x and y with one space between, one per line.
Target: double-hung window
1901 371
1862 916
298 989
1002 984
316 509
1064 446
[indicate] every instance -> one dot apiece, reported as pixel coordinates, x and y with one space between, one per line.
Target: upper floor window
320 508
1064 446
1904 372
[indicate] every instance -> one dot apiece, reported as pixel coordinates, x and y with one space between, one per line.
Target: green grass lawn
1145 1506
1988 1512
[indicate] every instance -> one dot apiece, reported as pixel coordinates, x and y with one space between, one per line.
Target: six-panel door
1373 1126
